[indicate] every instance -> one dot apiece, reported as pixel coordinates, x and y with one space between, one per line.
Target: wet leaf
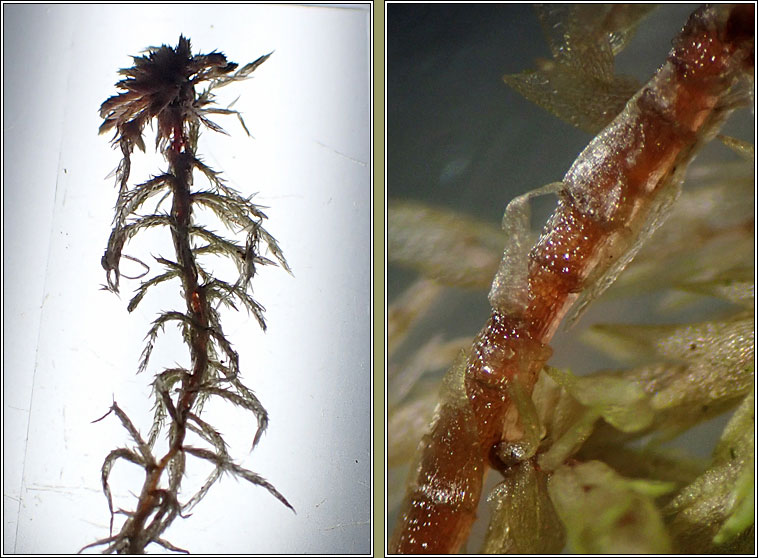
620 401
718 507
523 519
606 513
579 85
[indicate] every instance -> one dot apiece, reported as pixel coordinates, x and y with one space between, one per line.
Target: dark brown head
161 85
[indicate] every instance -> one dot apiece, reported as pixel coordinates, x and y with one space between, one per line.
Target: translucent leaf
567 423
523 519
570 414
176 467
606 513
724 344
226 465
226 246
215 179
743 513
684 396
158 324
142 291
442 245
744 149
736 444
247 401
208 433
232 211
620 401
700 510
225 292
579 85
213 126
130 201
406 424
258 480
732 442
243 73
521 437
226 347
737 286
142 447
583 101
162 384
406 311
708 235
435 354
650 462
510 286
273 247
574 29
569 443
226 111
710 366
718 507
120 235
110 459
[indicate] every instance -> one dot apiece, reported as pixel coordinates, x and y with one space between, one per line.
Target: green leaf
619 400
523 519
718 506
605 513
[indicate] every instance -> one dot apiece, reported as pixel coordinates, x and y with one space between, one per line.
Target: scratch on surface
15 537
348 157
351 524
65 430
62 489
15 408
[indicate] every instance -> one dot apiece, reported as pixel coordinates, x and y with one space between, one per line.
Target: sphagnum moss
161 87
643 499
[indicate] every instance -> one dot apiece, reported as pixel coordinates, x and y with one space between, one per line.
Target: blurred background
460 139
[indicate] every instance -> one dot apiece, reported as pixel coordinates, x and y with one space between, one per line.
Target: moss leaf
523 519
718 506
604 512
620 401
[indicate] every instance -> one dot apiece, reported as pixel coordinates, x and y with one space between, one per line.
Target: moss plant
162 86
588 467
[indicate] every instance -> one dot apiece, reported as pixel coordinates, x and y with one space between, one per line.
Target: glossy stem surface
615 193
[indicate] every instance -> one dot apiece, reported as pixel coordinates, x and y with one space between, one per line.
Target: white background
69 348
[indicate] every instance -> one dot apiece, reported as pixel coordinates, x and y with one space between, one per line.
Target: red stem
605 205
181 164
